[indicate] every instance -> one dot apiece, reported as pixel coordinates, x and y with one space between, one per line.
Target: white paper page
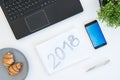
63 50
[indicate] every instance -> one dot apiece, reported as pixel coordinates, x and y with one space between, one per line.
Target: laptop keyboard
19 8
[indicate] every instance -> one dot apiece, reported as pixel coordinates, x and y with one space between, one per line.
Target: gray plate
19 57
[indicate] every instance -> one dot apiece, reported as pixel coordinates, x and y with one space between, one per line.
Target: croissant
14 69
8 59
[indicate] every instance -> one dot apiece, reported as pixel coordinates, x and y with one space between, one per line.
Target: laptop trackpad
37 20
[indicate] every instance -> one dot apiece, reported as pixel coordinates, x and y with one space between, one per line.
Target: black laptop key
24 7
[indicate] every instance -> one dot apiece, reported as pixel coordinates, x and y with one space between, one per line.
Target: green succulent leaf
110 13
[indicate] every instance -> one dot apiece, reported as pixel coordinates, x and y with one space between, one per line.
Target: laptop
28 16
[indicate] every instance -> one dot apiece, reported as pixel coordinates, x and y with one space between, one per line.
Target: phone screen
95 34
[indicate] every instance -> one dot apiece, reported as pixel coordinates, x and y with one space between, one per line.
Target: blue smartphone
95 34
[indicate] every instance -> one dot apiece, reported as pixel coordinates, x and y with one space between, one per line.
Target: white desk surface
37 71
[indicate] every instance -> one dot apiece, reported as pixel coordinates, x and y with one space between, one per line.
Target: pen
94 66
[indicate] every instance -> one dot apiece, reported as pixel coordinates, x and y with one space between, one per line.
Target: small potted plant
110 12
